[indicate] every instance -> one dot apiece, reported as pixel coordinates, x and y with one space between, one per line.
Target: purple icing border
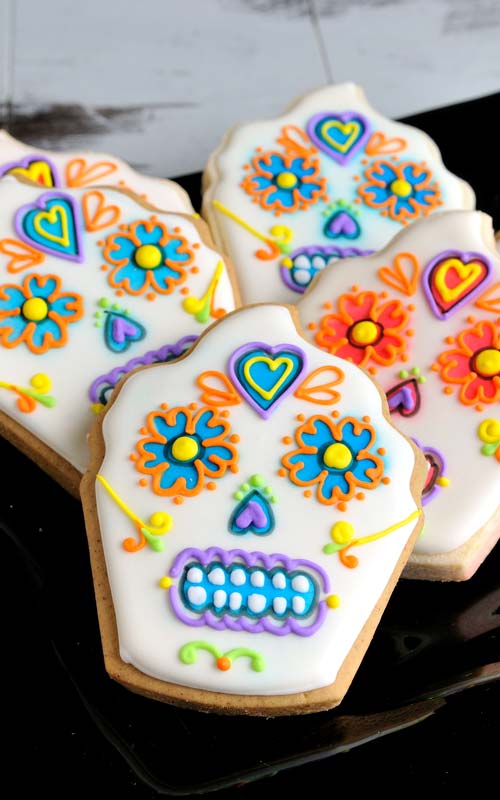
440 458
466 257
272 351
227 557
25 162
40 204
323 250
163 354
343 116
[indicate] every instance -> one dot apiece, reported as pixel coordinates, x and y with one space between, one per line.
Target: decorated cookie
81 169
249 510
329 179
423 317
92 284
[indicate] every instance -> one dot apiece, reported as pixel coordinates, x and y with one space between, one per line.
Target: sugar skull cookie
81 169
329 179
423 317
249 509
92 284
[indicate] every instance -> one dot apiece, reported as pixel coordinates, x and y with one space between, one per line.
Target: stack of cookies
276 414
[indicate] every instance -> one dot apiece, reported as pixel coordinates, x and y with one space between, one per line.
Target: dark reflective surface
66 725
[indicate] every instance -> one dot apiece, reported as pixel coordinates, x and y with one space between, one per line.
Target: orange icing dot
178 501
150 296
366 418
282 473
195 270
342 506
184 290
311 326
300 417
360 496
234 438
307 493
287 440
211 486
372 370
381 451
193 406
143 482
164 406
386 480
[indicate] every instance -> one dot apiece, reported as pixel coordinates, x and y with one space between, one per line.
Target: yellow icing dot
333 601
442 481
148 256
487 362
342 532
185 448
286 180
364 332
287 262
401 188
158 519
166 582
337 456
35 309
97 407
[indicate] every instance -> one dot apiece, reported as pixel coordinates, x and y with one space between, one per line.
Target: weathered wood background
158 81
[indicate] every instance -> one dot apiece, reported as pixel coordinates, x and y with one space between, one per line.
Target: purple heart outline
342 224
40 204
465 257
344 117
404 398
25 163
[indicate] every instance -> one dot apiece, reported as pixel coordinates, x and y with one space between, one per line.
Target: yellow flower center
35 309
287 180
337 456
148 256
365 332
185 448
401 188
487 362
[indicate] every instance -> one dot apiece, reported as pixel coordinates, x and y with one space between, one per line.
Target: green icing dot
404 374
415 371
422 379
257 480
103 302
238 495
246 487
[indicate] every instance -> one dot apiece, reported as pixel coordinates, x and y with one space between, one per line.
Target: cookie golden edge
218 702
49 460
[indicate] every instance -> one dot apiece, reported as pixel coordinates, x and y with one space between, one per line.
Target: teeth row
256 602
238 577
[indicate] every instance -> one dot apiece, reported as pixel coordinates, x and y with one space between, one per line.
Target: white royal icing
342 221
150 634
79 168
455 511
74 367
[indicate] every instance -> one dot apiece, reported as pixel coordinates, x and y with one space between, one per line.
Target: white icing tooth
318 262
257 579
220 598
217 576
235 600
256 603
196 595
238 577
298 605
195 575
279 581
301 262
279 605
300 583
302 276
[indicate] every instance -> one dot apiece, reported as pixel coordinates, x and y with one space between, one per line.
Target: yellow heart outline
34 171
351 129
273 364
468 272
51 216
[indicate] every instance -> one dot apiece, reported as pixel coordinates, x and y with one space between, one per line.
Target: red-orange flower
474 364
366 328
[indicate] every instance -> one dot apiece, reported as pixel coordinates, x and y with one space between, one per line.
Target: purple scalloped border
322 250
226 622
466 257
272 351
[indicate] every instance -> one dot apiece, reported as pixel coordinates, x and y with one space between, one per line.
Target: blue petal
14 298
148 237
332 480
285 196
424 197
310 468
298 169
174 471
42 328
203 429
260 182
123 247
161 274
378 195
220 452
306 189
157 451
42 291
321 436
401 203
60 305
359 468
170 431
170 251
274 165
384 172
414 174
17 324
355 441
136 276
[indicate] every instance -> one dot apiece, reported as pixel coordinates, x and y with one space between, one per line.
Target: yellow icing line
386 531
240 221
157 529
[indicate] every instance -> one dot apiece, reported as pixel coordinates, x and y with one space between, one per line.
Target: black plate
66 725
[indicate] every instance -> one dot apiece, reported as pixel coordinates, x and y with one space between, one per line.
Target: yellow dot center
337 456
148 256
401 188
487 362
185 448
365 332
287 180
35 309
